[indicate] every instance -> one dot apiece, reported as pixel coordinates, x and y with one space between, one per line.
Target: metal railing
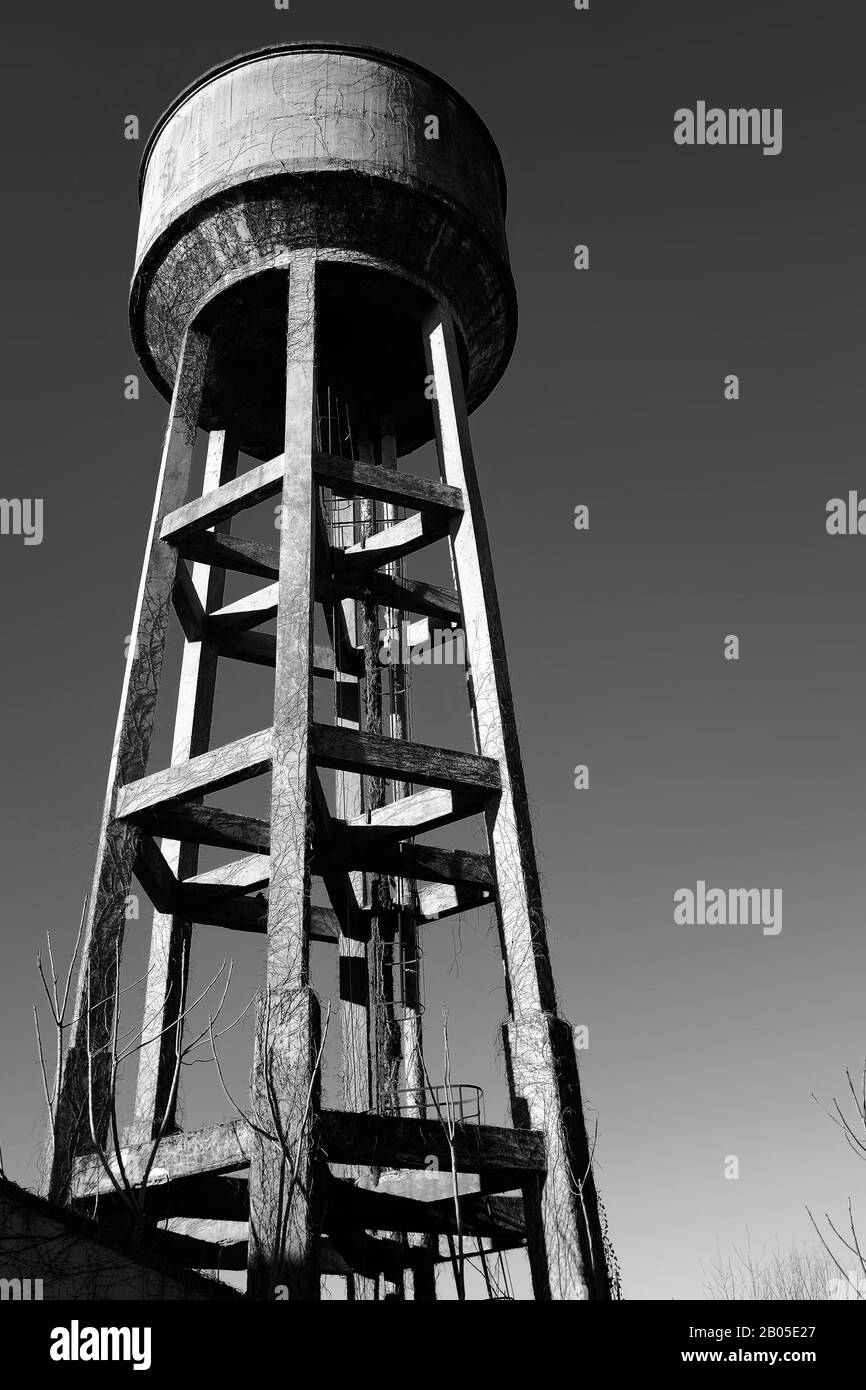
460 1102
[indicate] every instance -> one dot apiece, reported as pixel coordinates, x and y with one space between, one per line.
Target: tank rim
361 50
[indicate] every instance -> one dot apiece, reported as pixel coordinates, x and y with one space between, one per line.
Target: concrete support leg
564 1240
168 967
283 1235
542 1070
69 1133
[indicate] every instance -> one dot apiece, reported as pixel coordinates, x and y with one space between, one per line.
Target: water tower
322 286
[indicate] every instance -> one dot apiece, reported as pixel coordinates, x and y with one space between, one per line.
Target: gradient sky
707 518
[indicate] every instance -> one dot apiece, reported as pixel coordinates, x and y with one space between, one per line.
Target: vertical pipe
420 1281
354 979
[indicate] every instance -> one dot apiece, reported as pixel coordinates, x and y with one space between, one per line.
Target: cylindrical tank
376 162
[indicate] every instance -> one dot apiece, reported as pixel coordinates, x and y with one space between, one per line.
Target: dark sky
707 518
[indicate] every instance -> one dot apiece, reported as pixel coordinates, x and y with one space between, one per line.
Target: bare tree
853 1128
58 1003
130 1188
797 1273
805 1273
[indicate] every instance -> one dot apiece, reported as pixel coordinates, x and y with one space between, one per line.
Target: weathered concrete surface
319 146
308 110
75 1259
